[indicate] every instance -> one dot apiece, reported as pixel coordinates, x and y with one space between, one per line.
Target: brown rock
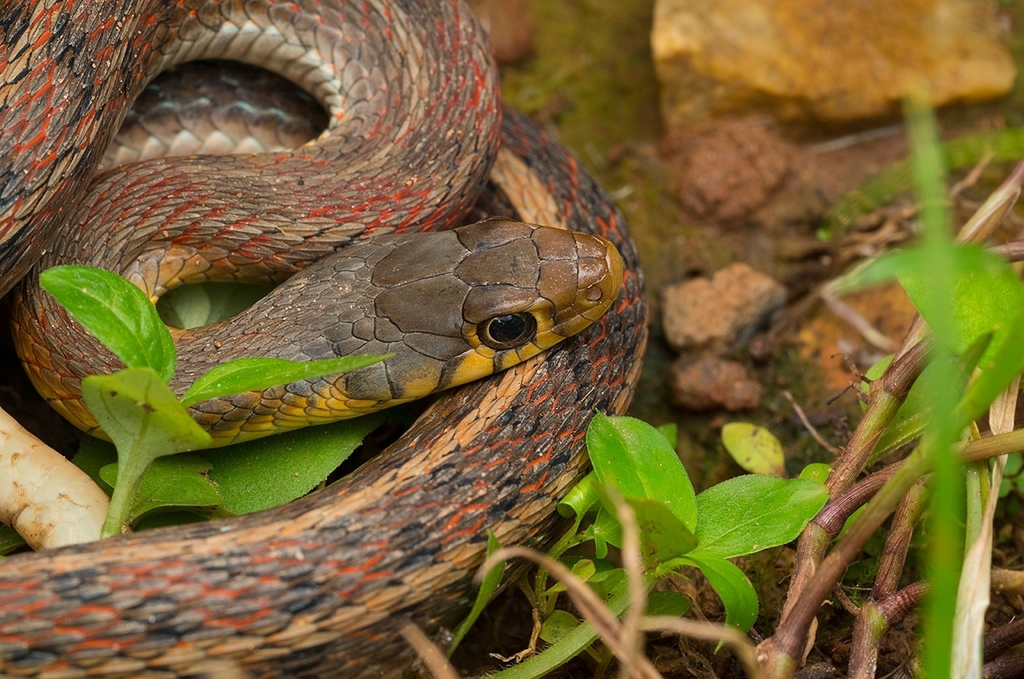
721 313
509 25
727 169
709 383
821 59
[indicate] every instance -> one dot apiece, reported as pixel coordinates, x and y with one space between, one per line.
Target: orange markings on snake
319 587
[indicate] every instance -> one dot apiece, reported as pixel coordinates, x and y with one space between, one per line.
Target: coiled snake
319 587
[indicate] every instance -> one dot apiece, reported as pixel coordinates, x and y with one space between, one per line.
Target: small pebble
720 314
708 383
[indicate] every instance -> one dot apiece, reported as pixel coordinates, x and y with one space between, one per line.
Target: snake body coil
319 587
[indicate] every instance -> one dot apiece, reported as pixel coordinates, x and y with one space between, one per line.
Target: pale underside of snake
319 587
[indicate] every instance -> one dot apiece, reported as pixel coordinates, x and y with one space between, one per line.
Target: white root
48 500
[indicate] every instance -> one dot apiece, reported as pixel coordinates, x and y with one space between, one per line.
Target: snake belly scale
319 587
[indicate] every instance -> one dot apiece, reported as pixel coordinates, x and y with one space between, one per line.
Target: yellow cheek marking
473 367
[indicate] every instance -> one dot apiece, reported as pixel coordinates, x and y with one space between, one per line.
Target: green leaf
816 471
584 569
137 410
997 370
174 517
749 513
9 540
557 626
910 419
987 295
178 481
730 584
487 589
117 313
256 374
607 580
667 603
637 460
662 535
265 473
192 306
580 498
670 430
94 454
754 448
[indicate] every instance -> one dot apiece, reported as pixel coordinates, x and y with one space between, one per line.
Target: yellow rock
822 59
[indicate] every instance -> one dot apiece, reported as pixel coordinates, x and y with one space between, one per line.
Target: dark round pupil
507 331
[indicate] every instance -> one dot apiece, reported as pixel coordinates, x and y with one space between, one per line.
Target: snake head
451 306
482 298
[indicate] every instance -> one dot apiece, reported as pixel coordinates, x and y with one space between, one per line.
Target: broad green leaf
580 498
749 513
754 448
634 458
730 584
604 531
137 410
987 295
178 481
662 535
117 313
94 454
667 603
174 517
487 589
582 568
557 626
256 374
9 540
816 471
670 430
267 472
192 306
607 580
997 370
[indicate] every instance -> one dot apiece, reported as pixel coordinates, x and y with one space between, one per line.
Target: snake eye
506 332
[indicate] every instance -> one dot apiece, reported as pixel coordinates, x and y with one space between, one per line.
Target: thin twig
432 656
807 424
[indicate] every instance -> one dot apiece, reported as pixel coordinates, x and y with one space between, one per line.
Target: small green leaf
580 498
557 626
178 481
256 374
997 369
749 513
754 448
634 458
117 313
137 410
662 535
670 430
816 471
607 580
731 585
268 472
192 306
487 589
94 454
667 603
9 540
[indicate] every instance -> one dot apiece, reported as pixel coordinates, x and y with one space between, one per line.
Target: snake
318 587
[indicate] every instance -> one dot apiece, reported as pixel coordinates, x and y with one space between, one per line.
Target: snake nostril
594 293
